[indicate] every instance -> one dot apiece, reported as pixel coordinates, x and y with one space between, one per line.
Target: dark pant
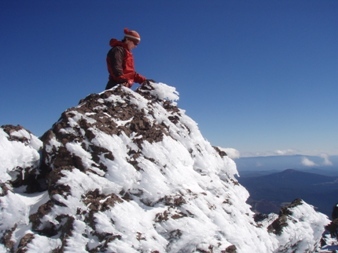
111 84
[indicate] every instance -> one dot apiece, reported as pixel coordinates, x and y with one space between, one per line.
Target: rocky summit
129 171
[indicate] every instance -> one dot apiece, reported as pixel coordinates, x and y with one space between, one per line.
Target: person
120 61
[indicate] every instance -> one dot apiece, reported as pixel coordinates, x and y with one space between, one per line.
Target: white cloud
307 162
270 153
231 152
326 159
290 152
285 152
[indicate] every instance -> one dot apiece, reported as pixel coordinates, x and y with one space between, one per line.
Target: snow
165 92
17 154
302 229
214 210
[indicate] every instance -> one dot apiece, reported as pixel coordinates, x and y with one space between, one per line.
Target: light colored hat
133 35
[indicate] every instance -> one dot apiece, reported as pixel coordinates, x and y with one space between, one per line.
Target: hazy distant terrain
269 192
316 164
273 181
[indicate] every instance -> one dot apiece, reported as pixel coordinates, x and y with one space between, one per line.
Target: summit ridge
129 171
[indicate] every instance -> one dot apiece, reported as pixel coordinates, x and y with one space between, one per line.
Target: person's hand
148 81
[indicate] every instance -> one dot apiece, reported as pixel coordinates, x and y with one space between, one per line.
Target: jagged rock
129 171
231 249
16 173
300 234
331 229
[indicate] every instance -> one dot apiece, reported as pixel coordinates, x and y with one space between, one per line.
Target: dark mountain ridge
269 192
290 176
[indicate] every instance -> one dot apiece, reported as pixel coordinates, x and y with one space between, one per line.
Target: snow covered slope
129 171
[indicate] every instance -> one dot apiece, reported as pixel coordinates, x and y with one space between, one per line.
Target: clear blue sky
257 76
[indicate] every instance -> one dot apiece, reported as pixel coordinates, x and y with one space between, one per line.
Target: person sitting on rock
120 61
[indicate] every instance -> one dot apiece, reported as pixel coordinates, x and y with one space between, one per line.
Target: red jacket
120 64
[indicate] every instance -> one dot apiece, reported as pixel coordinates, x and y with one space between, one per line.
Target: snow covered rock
298 228
20 158
129 171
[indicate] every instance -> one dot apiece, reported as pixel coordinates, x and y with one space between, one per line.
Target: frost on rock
299 228
129 171
19 157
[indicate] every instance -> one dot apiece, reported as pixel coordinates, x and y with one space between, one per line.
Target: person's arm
139 78
117 56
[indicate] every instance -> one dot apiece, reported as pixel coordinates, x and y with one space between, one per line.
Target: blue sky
257 76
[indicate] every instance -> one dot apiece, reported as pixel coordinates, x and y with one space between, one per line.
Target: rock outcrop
129 171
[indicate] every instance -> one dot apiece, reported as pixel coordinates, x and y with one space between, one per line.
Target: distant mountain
269 192
264 164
